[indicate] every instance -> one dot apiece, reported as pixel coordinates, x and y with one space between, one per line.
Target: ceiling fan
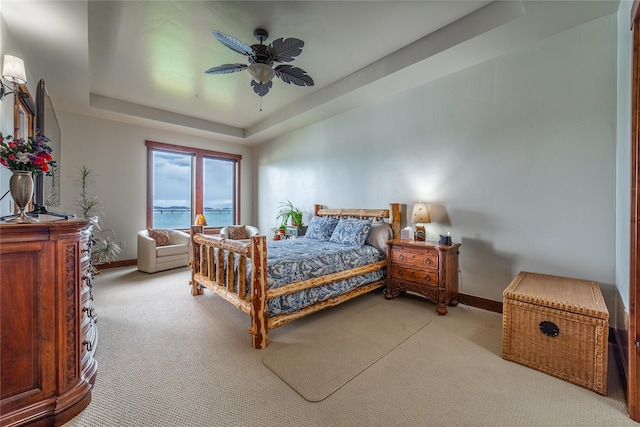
261 59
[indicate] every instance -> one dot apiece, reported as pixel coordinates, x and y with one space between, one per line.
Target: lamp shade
200 219
261 73
13 69
420 213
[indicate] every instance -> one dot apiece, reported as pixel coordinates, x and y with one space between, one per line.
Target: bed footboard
215 263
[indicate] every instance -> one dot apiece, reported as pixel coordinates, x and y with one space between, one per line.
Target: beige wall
515 157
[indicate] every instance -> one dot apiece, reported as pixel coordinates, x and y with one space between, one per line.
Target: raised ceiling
144 61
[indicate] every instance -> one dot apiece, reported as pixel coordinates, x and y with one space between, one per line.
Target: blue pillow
320 228
351 232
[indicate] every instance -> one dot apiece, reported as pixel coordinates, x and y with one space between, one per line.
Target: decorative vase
21 187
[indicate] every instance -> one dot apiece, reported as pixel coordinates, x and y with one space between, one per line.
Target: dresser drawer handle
90 311
427 261
87 278
401 257
427 278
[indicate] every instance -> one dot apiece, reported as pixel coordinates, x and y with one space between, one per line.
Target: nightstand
294 232
424 268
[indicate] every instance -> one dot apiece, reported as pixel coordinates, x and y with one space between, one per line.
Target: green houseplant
105 249
288 212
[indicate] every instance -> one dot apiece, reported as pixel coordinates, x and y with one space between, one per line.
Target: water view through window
181 218
174 185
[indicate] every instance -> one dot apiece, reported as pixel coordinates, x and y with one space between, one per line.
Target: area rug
319 365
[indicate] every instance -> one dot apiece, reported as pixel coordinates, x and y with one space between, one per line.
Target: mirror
23 112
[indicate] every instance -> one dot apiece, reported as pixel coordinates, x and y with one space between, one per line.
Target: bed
275 282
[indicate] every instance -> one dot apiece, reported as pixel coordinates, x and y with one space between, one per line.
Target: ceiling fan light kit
261 73
261 58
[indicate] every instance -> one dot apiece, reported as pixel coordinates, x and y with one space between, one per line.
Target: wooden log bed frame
209 270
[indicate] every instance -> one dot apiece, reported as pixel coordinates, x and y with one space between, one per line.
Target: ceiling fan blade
285 50
293 75
261 88
226 69
233 43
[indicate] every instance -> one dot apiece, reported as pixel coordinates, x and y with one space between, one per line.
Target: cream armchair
153 258
251 231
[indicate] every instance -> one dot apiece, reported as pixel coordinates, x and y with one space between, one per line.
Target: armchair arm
146 253
252 231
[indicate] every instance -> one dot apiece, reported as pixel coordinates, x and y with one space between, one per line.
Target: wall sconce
13 71
420 216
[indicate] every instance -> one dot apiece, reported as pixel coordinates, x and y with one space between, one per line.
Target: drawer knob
427 261
550 329
401 257
427 278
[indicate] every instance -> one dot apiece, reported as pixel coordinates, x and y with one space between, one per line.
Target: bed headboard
392 214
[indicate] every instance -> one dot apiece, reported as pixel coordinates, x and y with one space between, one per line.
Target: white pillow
379 234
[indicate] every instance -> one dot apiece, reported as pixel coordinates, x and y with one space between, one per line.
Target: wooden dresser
48 334
425 268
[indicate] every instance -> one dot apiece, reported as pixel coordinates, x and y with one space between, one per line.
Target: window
183 182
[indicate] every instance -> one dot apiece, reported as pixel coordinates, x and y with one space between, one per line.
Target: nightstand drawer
414 275
415 258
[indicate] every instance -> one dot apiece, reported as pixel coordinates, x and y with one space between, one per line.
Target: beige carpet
168 359
319 365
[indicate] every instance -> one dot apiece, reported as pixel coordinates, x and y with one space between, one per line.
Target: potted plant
276 236
105 249
288 212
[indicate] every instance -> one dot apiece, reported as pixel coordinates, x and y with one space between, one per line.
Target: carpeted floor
318 366
169 359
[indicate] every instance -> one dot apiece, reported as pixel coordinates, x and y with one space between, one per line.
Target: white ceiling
144 61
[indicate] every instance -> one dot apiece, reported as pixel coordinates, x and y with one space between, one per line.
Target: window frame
199 154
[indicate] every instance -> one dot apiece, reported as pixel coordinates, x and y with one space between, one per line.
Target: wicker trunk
558 326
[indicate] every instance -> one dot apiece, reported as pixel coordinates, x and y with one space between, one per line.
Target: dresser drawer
415 275
415 258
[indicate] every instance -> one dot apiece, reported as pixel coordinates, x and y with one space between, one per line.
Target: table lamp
420 216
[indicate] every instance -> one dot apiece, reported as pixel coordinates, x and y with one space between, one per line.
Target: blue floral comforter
295 260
